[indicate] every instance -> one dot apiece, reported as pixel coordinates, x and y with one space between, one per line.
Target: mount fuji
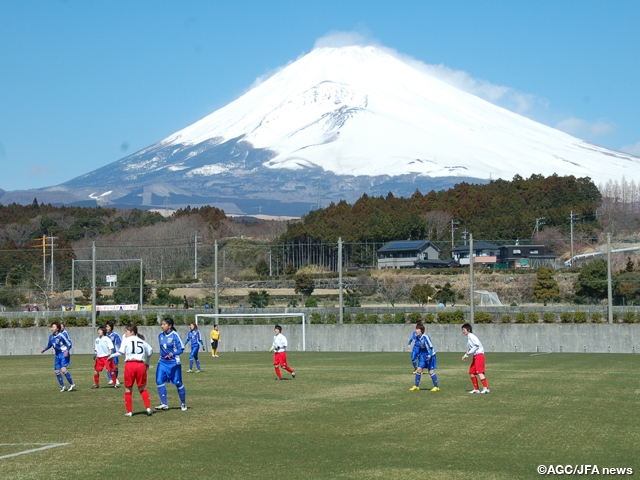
335 124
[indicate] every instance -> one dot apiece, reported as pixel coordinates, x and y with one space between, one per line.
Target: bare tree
438 223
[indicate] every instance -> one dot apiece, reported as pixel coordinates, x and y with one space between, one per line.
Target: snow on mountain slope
360 111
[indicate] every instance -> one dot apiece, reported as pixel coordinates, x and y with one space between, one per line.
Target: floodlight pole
609 289
471 305
340 285
73 283
93 285
215 262
141 285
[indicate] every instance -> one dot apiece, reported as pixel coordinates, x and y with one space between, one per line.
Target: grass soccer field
346 415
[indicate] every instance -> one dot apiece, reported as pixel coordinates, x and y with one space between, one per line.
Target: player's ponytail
134 329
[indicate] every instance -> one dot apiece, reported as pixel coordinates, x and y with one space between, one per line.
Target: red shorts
477 364
135 372
104 362
280 358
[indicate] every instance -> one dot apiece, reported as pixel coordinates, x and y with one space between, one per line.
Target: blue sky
85 83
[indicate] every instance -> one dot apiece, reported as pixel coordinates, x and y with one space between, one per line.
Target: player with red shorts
136 364
279 348
103 347
474 347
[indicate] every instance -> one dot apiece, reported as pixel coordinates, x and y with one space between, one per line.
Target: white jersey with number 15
135 349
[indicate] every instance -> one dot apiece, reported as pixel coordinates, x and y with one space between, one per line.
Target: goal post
216 316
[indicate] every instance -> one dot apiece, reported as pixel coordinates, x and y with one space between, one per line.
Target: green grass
347 415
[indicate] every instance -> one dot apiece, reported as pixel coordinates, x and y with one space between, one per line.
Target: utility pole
44 259
471 259
196 242
571 218
270 269
93 285
464 236
609 290
215 261
52 238
539 223
340 280
453 229
141 286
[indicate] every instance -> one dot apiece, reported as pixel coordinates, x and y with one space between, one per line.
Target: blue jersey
413 338
115 339
425 345
170 345
65 334
59 343
195 339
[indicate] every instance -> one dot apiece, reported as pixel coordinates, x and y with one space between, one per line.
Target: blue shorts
169 373
414 353
61 361
428 364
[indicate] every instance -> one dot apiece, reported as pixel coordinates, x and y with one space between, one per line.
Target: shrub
4 323
82 322
566 317
137 320
506 318
70 321
429 317
400 317
108 319
616 317
580 317
261 321
387 318
415 317
151 319
15 322
124 319
232 321
549 317
533 317
482 317
520 317
28 322
42 322
293 320
207 321
596 317
457 316
373 318
513 304
629 317
346 318
360 318
331 318
316 318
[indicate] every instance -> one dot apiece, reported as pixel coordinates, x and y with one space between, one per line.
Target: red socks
278 374
96 379
128 401
288 368
484 383
474 380
145 398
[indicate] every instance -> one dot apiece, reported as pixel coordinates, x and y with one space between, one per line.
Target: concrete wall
588 338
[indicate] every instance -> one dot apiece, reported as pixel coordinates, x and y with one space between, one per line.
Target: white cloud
583 128
633 149
346 39
39 171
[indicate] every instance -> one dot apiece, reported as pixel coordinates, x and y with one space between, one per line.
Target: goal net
217 316
488 299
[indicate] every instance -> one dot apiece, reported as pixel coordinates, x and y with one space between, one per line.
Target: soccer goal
489 299
216 316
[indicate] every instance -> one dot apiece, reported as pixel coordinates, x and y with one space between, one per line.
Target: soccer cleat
62 389
414 388
162 407
110 382
183 407
435 389
216 356
474 391
95 386
293 374
189 371
149 412
71 387
117 385
485 390
415 371
198 371
278 378
128 414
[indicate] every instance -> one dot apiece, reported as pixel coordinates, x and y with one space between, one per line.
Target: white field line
45 447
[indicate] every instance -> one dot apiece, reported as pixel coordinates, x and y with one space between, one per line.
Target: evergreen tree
127 290
258 299
421 293
262 268
445 294
592 281
546 287
304 284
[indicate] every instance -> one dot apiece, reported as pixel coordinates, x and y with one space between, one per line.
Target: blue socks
434 379
418 377
198 364
183 394
68 375
60 381
191 363
109 376
162 391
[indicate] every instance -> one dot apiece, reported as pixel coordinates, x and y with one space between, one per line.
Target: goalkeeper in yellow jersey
215 340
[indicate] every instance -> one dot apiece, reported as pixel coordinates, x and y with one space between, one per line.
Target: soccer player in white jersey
115 338
102 347
279 348
137 353
474 347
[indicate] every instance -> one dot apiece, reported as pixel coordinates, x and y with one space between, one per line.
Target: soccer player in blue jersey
169 366
426 359
117 341
195 340
415 349
62 359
